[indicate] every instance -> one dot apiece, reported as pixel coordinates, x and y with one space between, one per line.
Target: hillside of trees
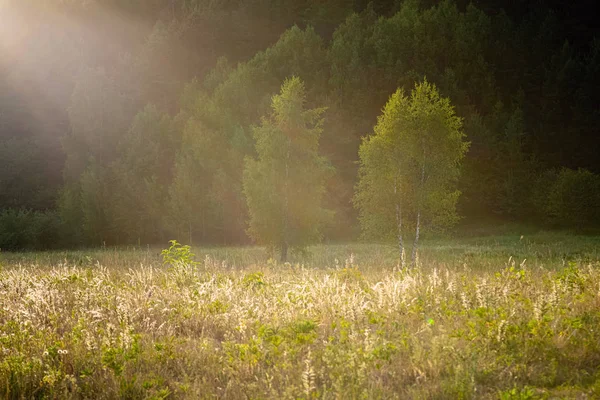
132 121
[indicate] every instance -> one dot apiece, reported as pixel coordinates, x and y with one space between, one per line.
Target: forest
299 199
132 122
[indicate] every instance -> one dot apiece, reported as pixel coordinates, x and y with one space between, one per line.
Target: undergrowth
349 331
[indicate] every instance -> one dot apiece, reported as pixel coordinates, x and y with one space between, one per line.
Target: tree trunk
416 243
418 228
399 224
285 244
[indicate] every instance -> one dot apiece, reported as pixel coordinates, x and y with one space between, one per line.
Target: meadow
480 317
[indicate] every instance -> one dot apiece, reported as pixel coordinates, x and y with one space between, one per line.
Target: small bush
573 200
26 230
254 279
540 193
178 254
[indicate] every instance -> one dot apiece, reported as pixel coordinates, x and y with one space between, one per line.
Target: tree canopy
285 184
409 167
111 105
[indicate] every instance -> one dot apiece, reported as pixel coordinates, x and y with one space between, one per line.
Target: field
498 317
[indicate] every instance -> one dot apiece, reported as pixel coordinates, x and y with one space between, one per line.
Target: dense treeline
130 121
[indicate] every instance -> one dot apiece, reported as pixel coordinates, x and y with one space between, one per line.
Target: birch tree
409 168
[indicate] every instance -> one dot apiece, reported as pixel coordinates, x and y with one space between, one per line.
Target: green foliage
26 181
142 174
285 185
411 164
571 277
525 393
254 280
71 214
75 103
515 170
94 196
456 328
26 230
206 196
178 254
197 196
573 200
99 114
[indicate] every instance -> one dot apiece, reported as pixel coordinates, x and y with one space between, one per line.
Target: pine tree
284 185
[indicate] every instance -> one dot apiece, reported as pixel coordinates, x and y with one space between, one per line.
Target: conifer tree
141 174
284 185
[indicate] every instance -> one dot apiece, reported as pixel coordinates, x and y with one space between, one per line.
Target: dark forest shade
129 121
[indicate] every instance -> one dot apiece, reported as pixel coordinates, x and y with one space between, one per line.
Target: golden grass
118 324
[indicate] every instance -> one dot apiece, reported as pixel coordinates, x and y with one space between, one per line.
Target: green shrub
542 186
515 393
178 254
26 230
569 198
254 279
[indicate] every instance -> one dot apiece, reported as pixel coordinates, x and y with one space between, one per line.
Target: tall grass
344 322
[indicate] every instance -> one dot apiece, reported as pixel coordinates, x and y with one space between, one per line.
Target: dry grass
108 324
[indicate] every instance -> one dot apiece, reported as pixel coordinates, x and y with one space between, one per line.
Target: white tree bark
399 224
285 242
418 228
